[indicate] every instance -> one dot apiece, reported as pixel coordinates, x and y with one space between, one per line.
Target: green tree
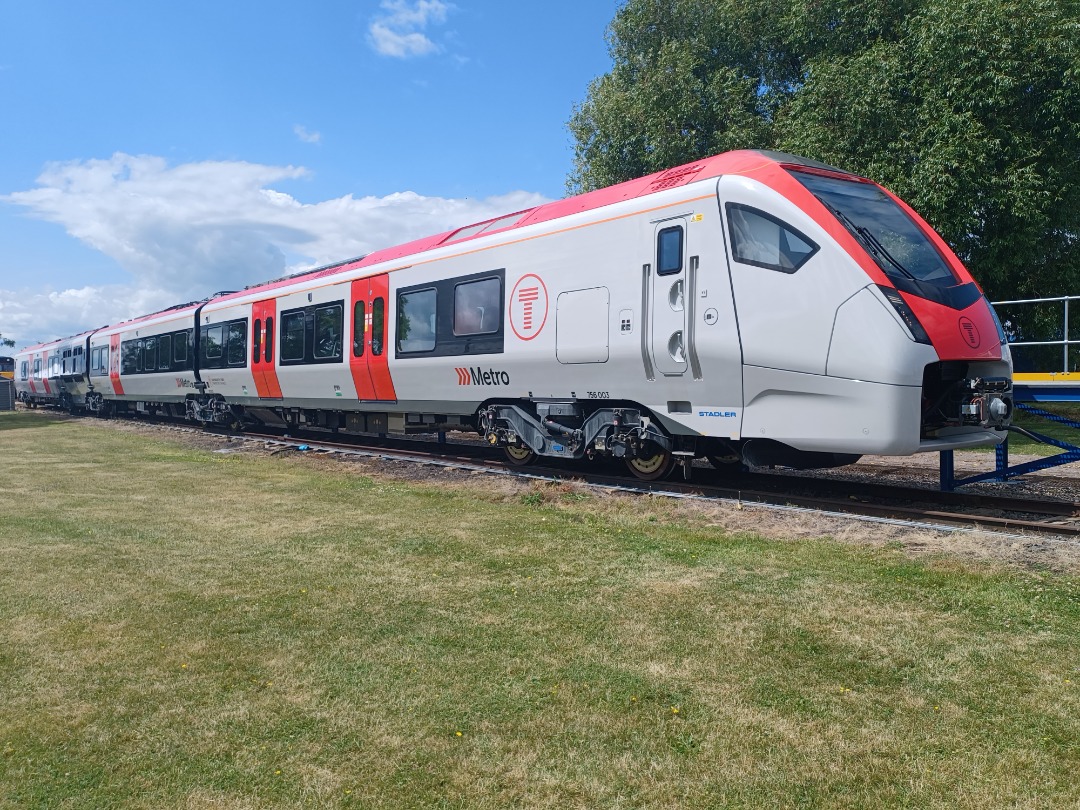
968 109
6 341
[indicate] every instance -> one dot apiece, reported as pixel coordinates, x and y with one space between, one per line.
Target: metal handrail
1065 342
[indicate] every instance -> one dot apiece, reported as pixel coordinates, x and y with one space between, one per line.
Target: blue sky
156 152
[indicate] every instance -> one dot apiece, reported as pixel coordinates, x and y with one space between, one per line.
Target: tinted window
899 246
164 352
378 325
669 250
238 343
213 339
358 329
763 240
478 307
268 352
180 348
328 329
256 340
292 336
416 321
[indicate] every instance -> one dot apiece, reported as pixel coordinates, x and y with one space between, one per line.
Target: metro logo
477 376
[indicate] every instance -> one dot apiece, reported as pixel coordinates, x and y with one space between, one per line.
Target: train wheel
519 455
729 464
653 467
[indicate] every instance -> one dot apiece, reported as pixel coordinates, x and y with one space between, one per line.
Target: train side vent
675 177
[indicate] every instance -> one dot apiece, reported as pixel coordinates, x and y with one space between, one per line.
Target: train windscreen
890 236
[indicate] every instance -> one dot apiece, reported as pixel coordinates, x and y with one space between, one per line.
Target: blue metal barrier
1002 471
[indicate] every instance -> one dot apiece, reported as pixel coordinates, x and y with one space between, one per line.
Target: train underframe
587 429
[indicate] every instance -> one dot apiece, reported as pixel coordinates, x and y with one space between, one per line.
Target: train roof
742 162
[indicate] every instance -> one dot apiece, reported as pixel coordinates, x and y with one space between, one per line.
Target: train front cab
861 331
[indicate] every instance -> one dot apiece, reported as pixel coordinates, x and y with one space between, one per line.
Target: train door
667 325
114 365
263 368
368 360
691 332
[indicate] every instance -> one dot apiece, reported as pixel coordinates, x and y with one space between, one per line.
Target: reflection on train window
358 328
669 250
477 307
24 370
99 361
268 352
762 240
328 328
150 354
256 340
378 325
292 336
416 321
212 339
238 343
180 349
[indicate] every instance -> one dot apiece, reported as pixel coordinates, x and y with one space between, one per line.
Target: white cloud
305 136
398 31
186 231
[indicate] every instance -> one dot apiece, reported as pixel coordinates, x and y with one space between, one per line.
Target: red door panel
368 358
378 362
360 309
263 368
114 365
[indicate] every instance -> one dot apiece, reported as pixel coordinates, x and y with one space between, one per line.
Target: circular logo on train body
970 332
528 307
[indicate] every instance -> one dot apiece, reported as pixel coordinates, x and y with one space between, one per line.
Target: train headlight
918 334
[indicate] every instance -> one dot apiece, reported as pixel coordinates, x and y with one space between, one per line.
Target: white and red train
753 306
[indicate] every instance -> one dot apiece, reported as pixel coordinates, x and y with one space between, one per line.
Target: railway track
915 505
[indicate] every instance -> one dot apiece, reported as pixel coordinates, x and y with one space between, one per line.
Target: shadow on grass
21 420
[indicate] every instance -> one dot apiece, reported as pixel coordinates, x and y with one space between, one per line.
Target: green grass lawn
189 629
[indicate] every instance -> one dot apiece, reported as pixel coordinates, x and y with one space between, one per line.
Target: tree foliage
968 109
6 342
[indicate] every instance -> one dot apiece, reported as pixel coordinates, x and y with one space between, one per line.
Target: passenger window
129 351
150 353
328 328
180 349
164 352
268 354
416 321
378 326
358 329
669 251
762 240
24 370
292 336
213 338
256 341
237 343
477 307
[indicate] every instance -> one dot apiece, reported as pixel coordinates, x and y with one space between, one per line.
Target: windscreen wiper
869 240
873 240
